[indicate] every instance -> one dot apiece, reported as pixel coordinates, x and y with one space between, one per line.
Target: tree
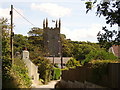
44 68
36 36
66 46
20 42
110 10
79 51
6 60
99 55
35 41
106 39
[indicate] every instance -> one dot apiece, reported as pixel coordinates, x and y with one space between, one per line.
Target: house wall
116 50
32 68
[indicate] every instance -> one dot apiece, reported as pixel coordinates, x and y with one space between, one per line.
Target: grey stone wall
52 43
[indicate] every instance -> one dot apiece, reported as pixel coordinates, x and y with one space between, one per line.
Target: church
51 37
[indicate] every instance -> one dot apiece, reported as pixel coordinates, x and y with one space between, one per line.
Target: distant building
51 37
115 49
57 60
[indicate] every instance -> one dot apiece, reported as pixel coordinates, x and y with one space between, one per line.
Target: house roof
116 50
58 59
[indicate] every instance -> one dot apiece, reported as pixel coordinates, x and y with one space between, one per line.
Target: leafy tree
110 10
106 39
44 68
99 55
35 41
6 60
20 42
36 36
80 50
66 46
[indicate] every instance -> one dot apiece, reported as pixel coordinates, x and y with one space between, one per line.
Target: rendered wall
32 69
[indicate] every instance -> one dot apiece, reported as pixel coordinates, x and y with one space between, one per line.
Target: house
115 49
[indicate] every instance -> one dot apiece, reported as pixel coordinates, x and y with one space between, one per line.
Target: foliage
65 69
66 46
6 60
44 68
56 65
36 36
56 73
72 63
9 78
110 10
20 73
103 61
35 53
88 6
81 50
35 41
20 42
108 38
99 55
100 68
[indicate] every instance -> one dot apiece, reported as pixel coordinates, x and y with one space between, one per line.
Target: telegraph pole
11 36
61 55
118 27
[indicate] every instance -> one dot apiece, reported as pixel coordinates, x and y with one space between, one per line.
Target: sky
75 23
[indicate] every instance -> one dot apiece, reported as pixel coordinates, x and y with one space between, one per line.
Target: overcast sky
76 24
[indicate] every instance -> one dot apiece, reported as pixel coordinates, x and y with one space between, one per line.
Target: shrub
99 55
100 68
80 50
72 63
19 72
44 68
56 73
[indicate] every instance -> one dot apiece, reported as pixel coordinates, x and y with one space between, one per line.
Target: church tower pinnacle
46 23
59 23
56 24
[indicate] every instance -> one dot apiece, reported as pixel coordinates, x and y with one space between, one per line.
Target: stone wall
52 43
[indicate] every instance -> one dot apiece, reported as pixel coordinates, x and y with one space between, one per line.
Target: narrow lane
49 86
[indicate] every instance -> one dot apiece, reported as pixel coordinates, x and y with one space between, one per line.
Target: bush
99 55
19 75
44 68
80 50
72 63
100 68
56 73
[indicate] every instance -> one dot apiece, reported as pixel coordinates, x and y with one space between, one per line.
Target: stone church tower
51 37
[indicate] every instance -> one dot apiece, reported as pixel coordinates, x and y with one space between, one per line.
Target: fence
85 73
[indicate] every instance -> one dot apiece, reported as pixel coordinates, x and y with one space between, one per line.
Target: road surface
49 86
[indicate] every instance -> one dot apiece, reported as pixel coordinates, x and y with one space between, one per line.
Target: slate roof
115 49
58 59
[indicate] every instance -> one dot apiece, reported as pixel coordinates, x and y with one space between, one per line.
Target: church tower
51 37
